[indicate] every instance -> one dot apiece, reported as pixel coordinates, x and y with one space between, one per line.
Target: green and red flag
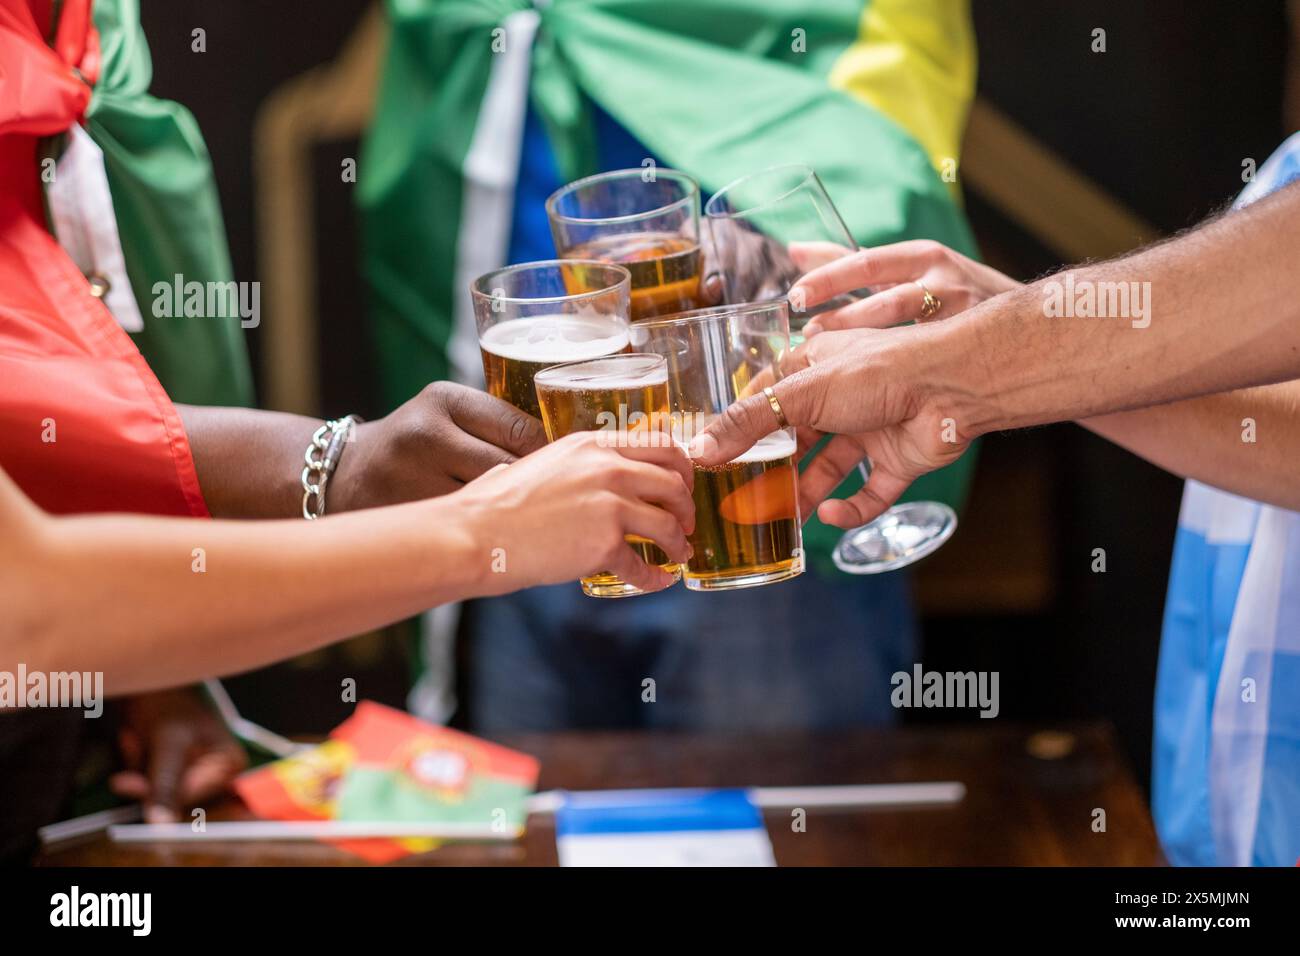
873 95
382 765
107 191
87 425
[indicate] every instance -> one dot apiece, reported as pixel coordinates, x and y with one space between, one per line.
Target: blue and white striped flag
1226 787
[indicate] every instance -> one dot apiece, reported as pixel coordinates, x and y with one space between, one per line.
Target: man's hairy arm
1225 313
1239 441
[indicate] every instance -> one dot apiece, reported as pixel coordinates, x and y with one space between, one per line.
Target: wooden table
1020 809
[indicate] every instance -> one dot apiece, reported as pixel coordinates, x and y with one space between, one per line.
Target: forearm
158 602
1245 442
1223 309
249 462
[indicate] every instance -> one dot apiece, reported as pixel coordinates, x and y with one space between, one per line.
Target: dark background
1163 120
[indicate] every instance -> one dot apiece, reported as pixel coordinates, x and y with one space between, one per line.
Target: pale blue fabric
1226 768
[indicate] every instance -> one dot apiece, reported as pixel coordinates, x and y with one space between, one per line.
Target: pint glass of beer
747 526
529 319
625 397
647 220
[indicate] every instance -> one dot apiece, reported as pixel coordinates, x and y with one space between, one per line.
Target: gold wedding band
930 305
776 408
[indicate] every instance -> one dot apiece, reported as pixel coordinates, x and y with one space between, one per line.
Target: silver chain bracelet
322 459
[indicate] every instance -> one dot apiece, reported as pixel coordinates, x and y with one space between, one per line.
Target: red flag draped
84 424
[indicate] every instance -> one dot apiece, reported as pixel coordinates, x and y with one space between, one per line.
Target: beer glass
624 396
530 316
647 220
767 230
747 527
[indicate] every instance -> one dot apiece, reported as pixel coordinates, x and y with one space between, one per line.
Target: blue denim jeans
815 652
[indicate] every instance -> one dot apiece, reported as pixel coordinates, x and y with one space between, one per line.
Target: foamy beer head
516 350
528 319
747 524
624 396
645 220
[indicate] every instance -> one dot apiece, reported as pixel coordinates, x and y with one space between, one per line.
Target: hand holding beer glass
767 230
531 317
625 398
747 527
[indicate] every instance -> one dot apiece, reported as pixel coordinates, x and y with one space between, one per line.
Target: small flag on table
662 828
384 765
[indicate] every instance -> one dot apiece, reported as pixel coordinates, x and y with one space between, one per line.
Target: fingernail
702 446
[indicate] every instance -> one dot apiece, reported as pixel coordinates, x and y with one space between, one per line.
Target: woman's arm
153 602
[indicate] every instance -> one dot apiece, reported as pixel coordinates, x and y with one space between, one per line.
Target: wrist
941 363
464 562
350 485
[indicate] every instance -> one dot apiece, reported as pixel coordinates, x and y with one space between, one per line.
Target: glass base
901 536
608 586
749 578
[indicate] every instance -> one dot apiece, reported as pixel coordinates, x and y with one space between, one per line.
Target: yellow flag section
914 61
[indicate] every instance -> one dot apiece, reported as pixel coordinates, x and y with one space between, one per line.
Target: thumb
746 421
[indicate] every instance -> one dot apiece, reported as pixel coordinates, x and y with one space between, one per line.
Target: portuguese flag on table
872 94
384 766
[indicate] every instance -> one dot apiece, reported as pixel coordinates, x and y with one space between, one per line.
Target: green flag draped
714 87
168 215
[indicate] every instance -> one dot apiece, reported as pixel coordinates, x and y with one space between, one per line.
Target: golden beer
515 350
747 528
621 395
665 269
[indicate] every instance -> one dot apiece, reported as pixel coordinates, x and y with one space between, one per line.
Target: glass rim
659 361
808 174
624 279
692 193
715 311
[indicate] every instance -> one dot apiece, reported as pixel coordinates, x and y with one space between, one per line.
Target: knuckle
864 263
518 429
609 505
578 442
438 393
739 416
